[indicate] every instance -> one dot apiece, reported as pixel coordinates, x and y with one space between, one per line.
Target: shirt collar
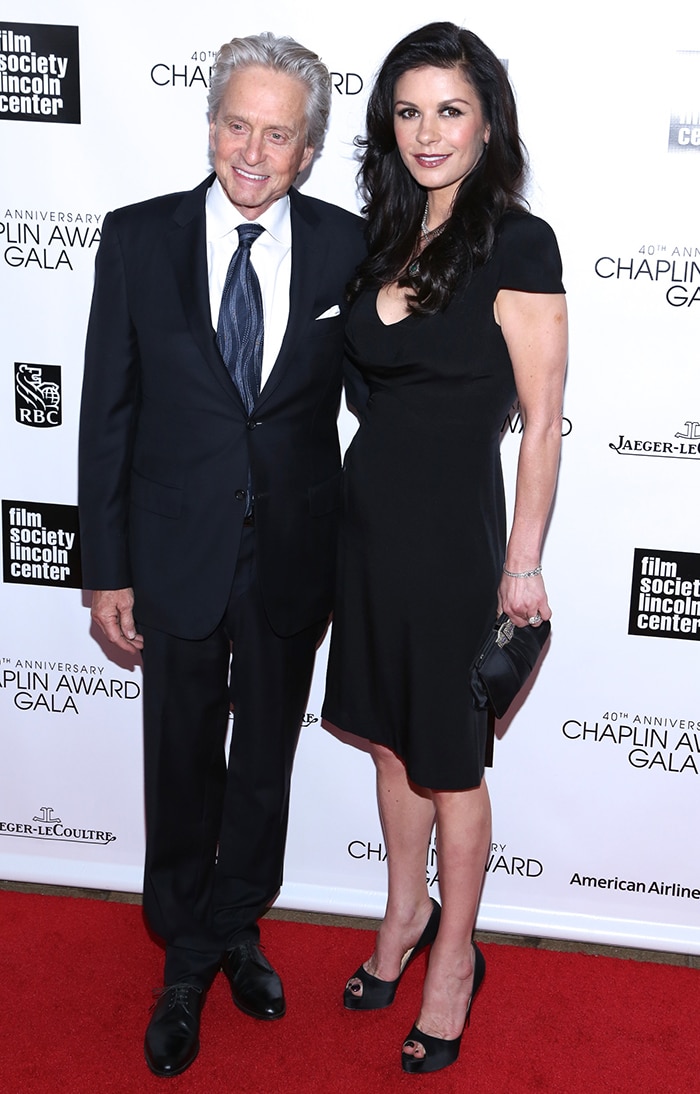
223 217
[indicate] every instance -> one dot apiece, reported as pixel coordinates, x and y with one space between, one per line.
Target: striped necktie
239 333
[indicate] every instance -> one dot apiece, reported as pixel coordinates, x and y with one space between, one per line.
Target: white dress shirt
271 255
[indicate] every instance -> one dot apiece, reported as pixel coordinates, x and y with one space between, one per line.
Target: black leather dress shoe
255 986
172 1037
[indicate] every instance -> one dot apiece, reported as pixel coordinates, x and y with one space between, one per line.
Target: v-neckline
396 321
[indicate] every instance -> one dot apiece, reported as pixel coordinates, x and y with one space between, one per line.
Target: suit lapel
188 249
308 250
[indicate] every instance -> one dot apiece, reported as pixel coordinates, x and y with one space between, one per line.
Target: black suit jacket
165 441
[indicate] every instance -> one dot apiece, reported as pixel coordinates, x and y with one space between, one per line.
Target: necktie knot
248 233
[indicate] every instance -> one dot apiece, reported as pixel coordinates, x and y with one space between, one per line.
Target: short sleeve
527 255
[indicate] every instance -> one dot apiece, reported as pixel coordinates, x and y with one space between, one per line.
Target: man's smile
249 175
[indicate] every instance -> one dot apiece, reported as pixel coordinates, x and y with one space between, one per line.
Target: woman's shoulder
526 254
520 227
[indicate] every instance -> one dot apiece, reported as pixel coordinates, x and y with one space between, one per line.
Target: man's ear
307 157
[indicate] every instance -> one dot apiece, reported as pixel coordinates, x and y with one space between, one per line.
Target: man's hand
112 610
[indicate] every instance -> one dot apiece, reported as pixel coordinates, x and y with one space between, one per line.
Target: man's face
258 138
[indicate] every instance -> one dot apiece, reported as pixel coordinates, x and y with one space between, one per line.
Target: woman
457 309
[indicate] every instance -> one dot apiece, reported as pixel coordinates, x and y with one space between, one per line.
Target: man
209 484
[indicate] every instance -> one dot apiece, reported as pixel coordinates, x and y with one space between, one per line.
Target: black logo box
38 395
45 40
35 538
665 594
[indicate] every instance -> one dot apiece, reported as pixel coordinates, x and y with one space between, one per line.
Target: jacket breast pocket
332 327
156 497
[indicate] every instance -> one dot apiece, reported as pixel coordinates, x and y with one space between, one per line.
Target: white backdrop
596 774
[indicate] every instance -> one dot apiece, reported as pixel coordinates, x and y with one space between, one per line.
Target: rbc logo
38 395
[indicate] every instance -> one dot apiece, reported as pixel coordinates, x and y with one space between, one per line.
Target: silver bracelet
526 573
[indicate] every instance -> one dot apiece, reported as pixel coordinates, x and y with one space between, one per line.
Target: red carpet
76 976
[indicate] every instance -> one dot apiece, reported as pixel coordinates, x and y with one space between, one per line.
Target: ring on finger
534 619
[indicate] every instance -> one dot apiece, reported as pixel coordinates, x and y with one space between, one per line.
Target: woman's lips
431 161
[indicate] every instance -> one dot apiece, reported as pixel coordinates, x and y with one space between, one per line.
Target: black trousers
215 833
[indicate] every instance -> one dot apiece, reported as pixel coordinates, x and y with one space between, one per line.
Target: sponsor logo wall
594 777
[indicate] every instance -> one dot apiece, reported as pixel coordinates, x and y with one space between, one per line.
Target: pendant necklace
427 237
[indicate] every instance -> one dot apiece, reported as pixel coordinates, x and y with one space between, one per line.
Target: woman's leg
407 813
463 837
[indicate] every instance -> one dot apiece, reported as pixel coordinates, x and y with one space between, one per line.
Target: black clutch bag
505 661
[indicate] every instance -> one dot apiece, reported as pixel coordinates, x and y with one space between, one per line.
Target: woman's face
439 127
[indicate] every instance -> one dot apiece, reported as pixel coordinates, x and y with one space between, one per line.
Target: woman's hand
524 600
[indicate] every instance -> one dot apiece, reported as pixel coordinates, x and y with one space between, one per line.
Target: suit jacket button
251 424
240 495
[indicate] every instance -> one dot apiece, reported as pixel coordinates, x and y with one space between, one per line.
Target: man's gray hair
282 55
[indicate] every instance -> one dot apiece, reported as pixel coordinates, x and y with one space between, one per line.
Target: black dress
423 535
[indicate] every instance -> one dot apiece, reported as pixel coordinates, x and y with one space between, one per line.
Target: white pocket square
335 310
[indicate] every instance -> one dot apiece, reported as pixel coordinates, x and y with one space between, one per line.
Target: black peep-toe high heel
376 993
438 1052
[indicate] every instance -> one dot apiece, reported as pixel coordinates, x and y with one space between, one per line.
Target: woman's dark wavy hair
394 200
